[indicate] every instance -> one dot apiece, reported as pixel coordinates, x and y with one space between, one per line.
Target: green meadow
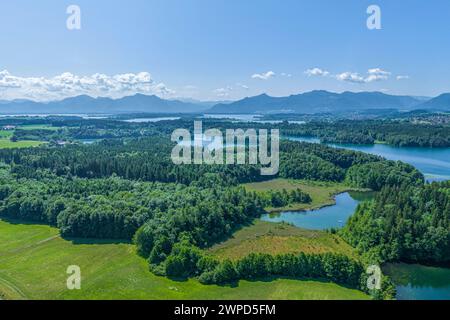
38 127
34 260
279 238
8 144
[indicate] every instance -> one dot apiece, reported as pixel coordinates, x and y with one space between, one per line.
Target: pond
334 216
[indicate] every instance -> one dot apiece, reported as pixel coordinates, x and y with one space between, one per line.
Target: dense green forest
404 223
396 133
148 159
74 186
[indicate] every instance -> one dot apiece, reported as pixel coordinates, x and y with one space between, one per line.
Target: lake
434 163
334 216
151 120
413 282
417 282
88 141
236 118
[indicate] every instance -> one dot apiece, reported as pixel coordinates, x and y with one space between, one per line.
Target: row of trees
186 261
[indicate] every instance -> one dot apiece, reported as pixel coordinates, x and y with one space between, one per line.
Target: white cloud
68 84
350 77
378 71
223 92
316 72
373 75
402 77
284 74
243 86
162 89
264 76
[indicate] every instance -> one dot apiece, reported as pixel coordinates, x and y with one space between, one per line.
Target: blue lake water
417 282
237 117
321 219
88 141
150 120
247 118
434 163
413 282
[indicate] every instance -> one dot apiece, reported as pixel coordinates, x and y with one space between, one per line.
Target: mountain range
308 103
327 102
86 104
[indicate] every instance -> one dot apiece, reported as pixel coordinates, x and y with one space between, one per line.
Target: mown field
274 238
8 144
34 260
38 127
321 192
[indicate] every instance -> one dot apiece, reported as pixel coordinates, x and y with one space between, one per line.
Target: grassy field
276 238
34 260
8 144
38 127
321 192
6 134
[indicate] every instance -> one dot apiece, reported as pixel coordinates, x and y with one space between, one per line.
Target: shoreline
331 203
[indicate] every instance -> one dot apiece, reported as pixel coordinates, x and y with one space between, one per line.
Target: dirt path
33 245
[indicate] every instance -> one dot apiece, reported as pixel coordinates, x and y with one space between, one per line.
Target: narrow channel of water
334 216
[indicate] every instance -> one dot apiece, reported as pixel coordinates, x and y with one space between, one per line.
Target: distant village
9 128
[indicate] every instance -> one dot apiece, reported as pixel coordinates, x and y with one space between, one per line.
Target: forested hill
396 133
404 223
441 102
148 159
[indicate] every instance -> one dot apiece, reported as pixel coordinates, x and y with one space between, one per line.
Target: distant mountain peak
441 102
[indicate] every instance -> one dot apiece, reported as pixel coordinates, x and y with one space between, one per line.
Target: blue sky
222 49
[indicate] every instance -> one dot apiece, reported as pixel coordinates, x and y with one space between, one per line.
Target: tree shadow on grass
250 222
92 241
18 222
269 279
233 284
